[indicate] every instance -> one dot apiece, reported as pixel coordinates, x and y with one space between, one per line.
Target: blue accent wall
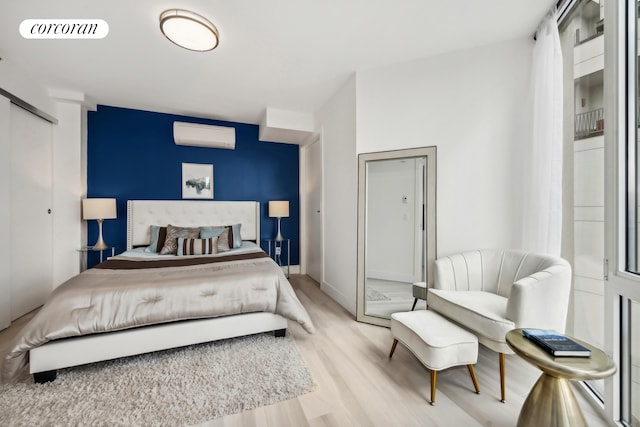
131 155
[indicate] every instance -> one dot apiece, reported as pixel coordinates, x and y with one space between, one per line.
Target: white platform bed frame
46 359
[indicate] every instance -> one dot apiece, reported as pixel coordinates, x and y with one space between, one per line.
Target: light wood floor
357 384
400 296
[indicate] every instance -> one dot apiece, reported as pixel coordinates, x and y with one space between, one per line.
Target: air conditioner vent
199 135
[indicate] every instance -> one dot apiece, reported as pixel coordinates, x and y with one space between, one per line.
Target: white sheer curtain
542 192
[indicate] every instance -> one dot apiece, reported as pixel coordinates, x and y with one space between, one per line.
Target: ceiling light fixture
189 30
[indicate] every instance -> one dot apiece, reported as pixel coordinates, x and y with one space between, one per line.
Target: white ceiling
287 54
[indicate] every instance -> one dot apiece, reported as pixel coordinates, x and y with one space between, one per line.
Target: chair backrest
489 270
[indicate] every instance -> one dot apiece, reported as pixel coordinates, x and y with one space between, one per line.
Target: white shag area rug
175 387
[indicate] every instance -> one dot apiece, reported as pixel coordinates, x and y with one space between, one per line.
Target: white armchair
491 291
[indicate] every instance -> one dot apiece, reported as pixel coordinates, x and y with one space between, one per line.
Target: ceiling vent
199 135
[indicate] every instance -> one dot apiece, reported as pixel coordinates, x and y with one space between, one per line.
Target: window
582 38
622 288
600 51
630 307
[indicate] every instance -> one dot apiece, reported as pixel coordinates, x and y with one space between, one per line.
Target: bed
139 301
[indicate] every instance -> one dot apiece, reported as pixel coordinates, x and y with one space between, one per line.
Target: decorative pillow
208 232
225 238
197 246
237 237
158 236
173 233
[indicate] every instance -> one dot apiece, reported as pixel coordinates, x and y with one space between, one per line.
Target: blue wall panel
131 155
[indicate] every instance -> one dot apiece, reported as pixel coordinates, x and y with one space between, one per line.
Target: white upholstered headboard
189 213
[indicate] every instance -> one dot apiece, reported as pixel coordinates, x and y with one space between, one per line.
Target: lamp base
100 244
279 237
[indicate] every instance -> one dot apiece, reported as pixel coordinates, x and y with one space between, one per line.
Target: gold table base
551 402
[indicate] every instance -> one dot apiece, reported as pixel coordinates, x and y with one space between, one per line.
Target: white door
313 219
31 220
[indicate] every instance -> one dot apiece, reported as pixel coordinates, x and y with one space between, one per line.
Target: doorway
313 210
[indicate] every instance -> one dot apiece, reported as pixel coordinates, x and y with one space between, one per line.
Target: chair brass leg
434 378
502 378
415 301
393 347
473 378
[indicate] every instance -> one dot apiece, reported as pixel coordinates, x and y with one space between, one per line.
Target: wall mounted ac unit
200 135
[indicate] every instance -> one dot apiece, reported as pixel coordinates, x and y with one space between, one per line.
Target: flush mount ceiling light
189 30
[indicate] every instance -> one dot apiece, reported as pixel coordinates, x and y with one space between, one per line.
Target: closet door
313 220
31 219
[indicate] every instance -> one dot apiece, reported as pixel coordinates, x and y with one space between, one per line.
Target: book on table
555 343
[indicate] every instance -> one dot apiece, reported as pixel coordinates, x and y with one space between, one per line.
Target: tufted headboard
189 213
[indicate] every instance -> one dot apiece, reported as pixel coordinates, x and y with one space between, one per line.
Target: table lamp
279 209
99 209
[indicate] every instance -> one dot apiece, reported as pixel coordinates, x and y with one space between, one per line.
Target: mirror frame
430 223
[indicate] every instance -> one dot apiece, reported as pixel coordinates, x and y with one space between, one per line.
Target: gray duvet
122 294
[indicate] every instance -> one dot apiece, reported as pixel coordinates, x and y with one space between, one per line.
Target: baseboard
338 297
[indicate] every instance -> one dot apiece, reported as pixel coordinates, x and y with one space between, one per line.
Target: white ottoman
436 342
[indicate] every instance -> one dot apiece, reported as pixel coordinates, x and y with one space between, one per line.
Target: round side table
551 401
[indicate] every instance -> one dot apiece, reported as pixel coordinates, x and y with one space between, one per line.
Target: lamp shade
99 209
279 209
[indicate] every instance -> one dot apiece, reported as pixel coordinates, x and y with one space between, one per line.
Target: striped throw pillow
197 246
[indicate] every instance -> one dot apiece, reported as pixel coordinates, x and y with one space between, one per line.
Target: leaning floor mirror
396 230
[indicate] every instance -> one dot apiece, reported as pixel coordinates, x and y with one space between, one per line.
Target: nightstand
275 250
84 251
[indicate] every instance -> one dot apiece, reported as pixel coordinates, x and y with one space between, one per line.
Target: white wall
470 104
18 82
69 186
337 123
5 213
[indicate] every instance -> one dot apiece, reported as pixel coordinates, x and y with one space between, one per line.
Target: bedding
224 236
206 246
158 236
138 288
229 236
207 232
173 234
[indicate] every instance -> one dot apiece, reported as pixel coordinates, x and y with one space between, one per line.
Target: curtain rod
562 8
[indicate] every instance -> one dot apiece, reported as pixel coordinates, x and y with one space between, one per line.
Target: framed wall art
197 181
